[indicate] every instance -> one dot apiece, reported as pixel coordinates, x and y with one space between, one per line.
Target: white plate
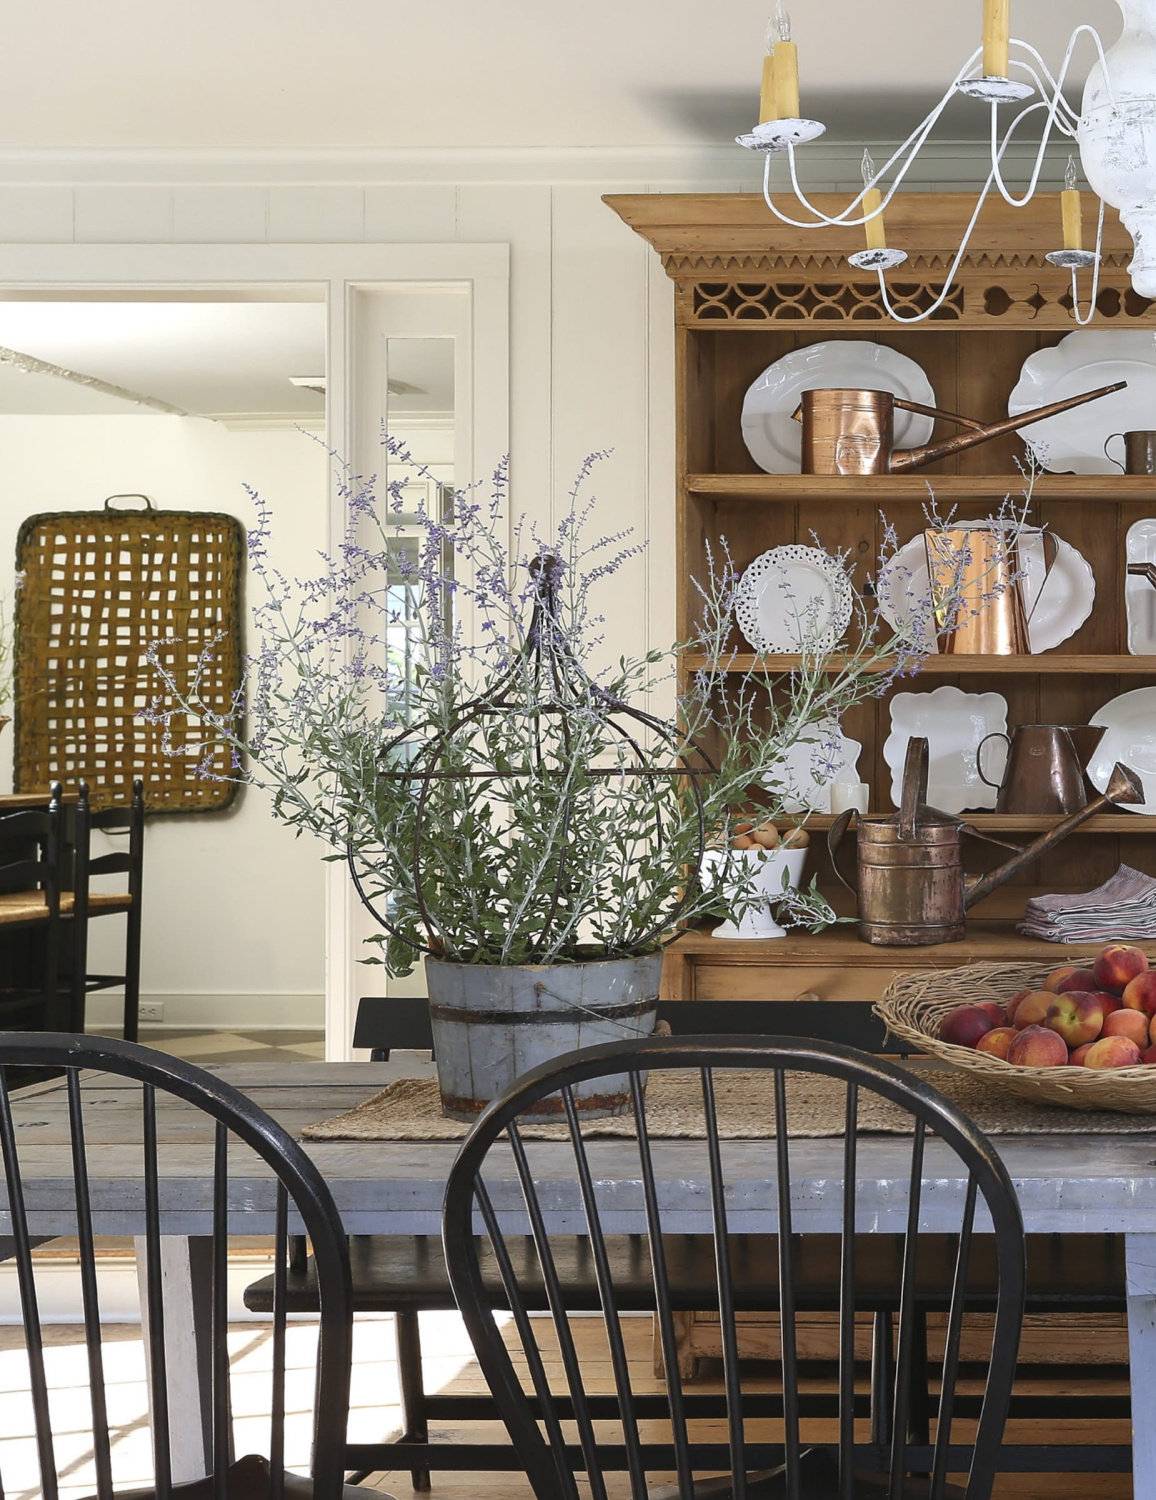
1139 595
1131 739
804 775
775 440
953 724
794 599
1057 606
1073 442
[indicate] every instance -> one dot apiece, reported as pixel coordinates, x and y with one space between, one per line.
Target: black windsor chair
85 903
847 1468
153 1082
31 851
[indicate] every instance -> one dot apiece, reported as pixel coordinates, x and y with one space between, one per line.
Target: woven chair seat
17 907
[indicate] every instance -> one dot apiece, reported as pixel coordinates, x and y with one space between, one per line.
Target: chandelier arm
841 221
1079 31
1057 97
949 280
1083 322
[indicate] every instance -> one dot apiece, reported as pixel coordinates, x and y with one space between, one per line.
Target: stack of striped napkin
1123 907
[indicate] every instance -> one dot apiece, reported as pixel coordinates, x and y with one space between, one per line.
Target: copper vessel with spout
853 432
910 881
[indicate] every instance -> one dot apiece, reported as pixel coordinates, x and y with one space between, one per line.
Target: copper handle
835 836
914 795
996 734
1123 468
934 411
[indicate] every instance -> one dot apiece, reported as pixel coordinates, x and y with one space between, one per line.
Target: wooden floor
375 1410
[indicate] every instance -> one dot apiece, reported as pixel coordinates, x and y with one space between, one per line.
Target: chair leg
882 1377
132 974
413 1415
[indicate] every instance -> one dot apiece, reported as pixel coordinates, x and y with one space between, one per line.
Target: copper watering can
853 432
911 885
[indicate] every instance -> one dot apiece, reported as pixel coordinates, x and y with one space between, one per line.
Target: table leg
1140 1262
186 1276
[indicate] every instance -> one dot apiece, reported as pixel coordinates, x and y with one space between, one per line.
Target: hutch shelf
747 291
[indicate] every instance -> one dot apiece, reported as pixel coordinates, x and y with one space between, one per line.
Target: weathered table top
1071 1183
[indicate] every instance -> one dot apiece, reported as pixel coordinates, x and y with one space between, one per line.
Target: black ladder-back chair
296 1185
87 904
847 1468
31 848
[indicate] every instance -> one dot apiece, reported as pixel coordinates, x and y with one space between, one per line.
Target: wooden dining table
1073 1184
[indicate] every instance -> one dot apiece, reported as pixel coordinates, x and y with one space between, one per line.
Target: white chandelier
1115 132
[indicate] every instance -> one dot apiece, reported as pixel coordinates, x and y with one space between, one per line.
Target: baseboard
214 1011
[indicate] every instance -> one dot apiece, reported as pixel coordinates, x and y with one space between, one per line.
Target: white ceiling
293 75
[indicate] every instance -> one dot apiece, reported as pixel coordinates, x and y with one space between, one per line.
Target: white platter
1073 442
774 438
953 723
1130 720
804 776
1139 595
1058 603
794 599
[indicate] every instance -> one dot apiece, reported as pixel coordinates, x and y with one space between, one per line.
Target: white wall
233 914
591 367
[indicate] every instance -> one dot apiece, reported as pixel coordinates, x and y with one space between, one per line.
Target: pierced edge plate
1105 757
773 396
904 592
969 716
767 570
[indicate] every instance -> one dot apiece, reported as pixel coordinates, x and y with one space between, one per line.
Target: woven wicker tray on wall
99 588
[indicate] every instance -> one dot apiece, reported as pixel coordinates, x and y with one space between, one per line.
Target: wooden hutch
748 290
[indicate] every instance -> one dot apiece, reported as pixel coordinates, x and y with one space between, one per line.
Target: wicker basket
914 1004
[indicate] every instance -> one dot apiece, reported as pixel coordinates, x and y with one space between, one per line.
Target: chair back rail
237 1124
900 1444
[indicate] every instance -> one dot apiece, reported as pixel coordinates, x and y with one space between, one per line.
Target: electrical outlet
151 1010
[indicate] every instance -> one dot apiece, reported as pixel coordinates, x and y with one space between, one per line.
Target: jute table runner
410 1110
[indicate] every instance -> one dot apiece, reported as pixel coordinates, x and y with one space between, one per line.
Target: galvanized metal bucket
492 1023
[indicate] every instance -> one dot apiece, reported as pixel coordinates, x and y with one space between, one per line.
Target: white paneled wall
591 348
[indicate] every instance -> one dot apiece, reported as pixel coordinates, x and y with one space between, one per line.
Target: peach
965 1025
1130 1023
997 1041
1077 1058
1108 1003
1116 965
1075 1015
994 1010
1070 978
1148 1055
1112 1052
1036 1047
1014 1003
1140 993
1033 1008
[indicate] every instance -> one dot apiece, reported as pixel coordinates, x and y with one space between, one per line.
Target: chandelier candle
1073 210
996 37
875 229
768 106
786 66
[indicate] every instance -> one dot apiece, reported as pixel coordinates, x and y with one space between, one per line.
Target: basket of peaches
1082 1034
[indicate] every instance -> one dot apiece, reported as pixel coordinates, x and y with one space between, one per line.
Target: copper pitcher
910 882
1044 771
977 586
853 431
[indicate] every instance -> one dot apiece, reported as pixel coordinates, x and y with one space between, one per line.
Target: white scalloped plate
775 440
953 723
1130 721
794 599
1073 442
804 775
1057 606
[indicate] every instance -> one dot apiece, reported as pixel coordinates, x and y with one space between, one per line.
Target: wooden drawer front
770 982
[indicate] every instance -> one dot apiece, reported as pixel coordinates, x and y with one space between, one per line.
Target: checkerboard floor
237 1046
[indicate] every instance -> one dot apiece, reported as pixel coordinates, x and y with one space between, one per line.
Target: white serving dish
1073 442
757 921
1130 721
1139 595
774 438
1058 602
806 773
794 599
953 723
